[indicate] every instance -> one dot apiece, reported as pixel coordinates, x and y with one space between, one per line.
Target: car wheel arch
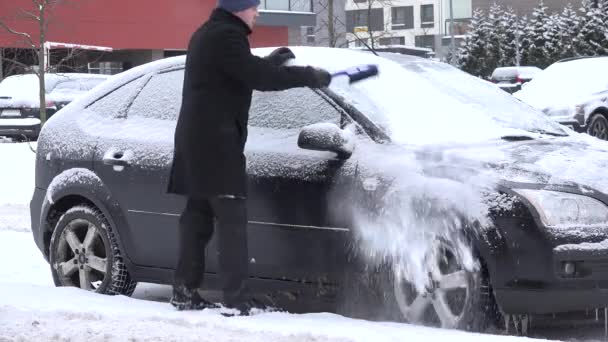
89 191
599 110
602 112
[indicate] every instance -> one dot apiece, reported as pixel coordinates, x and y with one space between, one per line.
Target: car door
293 233
134 160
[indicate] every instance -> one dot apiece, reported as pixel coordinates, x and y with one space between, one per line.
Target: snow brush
358 73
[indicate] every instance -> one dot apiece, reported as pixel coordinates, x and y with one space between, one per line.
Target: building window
427 16
403 18
310 35
359 19
392 41
426 41
461 26
359 42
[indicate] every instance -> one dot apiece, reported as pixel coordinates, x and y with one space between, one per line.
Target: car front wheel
598 127
457 299
84 253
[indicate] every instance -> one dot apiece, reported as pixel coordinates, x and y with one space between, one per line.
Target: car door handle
116 159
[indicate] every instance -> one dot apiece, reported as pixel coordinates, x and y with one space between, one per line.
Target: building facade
139 31
410 23
330 29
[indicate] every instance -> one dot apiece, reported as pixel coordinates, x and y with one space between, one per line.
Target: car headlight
564 209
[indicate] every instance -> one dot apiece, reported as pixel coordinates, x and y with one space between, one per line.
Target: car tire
84 253
460 299
598 126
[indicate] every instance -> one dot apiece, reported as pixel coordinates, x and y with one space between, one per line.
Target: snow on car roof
566 84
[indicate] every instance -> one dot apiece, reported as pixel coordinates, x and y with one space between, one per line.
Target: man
209 164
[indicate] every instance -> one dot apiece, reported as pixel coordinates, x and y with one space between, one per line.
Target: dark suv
323 168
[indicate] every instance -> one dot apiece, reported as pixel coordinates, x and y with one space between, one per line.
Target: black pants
196 227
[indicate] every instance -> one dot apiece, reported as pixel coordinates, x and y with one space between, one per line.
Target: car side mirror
326 137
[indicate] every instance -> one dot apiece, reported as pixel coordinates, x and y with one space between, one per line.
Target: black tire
471 304
598 127
84 253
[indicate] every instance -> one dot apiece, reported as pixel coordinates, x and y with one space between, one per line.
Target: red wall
126 24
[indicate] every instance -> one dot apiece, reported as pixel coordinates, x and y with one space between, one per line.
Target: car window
116 103
290 109
161 98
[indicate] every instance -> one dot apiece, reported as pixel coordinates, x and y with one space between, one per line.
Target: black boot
187 299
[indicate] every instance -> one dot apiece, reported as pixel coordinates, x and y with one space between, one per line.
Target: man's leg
231 214
195 231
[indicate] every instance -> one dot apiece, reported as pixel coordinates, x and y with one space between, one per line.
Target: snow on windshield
566 83
420 102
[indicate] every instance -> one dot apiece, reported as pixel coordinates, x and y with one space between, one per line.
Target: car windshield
420 102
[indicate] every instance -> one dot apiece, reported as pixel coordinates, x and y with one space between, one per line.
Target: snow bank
32 309
72 314
16 173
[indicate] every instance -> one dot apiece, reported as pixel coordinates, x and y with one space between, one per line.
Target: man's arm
261 74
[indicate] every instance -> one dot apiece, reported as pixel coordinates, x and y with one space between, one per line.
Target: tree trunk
369 25
331 30
42 66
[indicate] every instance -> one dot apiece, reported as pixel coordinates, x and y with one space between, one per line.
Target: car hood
577 161
11 100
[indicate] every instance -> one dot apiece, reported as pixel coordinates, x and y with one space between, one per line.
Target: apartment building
410 23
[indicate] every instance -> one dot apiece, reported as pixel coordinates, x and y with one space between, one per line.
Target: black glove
281 55
320 78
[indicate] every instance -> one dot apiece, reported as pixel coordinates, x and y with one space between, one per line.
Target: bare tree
330 23
39 14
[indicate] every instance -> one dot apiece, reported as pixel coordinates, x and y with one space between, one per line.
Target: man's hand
320 78
280 56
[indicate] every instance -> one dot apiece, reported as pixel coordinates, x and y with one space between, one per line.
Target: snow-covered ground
32 309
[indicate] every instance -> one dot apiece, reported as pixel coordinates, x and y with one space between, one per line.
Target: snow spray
427 198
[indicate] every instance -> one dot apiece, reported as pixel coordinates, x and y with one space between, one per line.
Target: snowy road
32 309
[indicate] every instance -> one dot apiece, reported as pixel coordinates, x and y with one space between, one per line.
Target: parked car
573 92
511 79
20 104
315 160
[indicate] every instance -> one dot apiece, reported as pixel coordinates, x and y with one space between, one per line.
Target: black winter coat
211 130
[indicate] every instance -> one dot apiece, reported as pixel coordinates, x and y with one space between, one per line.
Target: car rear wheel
598 127
84 253
457 299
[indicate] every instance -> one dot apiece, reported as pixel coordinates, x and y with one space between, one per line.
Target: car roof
578 58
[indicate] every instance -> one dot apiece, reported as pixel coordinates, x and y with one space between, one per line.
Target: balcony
287 5
293 13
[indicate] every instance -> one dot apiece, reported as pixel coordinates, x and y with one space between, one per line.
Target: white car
20 104
573 92
512 79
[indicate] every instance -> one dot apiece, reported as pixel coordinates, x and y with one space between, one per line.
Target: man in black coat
209 164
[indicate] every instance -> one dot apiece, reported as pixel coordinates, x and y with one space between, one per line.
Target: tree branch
17 33
29 15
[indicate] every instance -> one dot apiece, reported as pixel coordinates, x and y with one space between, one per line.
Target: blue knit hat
237 5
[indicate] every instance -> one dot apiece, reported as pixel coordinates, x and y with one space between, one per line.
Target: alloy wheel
81 256
445 303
